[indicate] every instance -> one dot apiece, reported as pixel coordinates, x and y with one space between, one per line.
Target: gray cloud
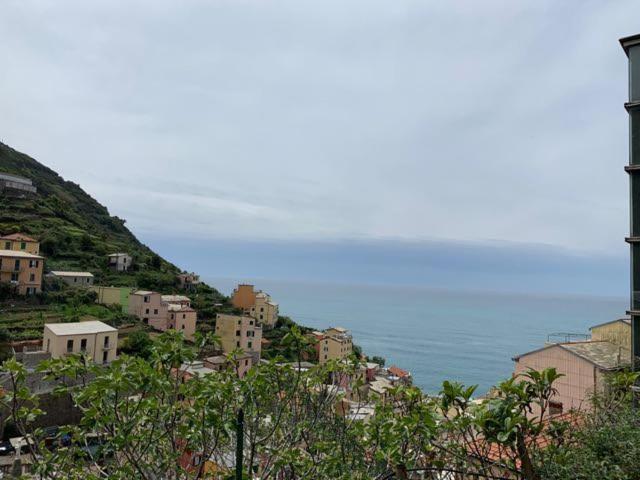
330 120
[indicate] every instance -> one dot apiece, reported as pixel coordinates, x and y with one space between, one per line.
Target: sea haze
475 306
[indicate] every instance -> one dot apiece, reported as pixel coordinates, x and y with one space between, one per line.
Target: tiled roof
18 236
604 355
175 298
398 372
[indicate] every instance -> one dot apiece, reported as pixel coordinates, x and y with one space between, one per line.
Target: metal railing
568 337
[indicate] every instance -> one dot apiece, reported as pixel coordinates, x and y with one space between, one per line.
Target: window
75 279
555 408
237 333
155 311
147 311
238 344
246 362
48 344
106 342
172 316
14 277
23 245
69 345
147 299
105 357
249 345
184 315
83 345
261 316
262 309
7 245
16 265
32 277
250 322
183 326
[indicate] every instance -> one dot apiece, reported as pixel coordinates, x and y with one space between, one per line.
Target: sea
464 336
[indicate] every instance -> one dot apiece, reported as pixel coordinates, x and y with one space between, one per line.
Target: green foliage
379 360
138 344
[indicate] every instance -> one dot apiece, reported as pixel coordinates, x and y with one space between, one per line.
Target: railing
567 337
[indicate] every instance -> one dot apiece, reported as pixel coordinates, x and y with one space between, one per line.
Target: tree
138 344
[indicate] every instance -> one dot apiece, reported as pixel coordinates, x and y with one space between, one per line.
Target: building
182 318
20 242
334 343
177 300
256 304
188 281
584 366
113 296
120 262
75 279
241 363
631 46
95 339
617 332
264 310
15 185
22 270
149 307
239 332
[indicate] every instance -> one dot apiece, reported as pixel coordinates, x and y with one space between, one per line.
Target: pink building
182 318
149 307
584 366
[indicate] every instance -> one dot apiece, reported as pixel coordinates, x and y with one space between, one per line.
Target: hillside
77 233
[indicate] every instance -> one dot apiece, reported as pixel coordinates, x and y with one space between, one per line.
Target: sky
493 127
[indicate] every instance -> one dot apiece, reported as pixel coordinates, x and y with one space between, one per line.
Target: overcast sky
330 120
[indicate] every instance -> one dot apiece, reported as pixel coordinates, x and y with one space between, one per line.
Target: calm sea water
437 335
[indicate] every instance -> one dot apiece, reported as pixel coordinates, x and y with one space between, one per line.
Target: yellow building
256 304
239 332
113 296
20 242
617 332
22 270
95 339
334 343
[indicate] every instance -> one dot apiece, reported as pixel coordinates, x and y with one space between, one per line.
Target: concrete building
182 318
120 262
149 307
95 339
22 270
334 343
584 366
113 296
20 242
75 279
188 281
240 332
177 300
240 364
16 185
256 304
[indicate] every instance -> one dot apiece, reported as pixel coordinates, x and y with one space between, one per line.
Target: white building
95 339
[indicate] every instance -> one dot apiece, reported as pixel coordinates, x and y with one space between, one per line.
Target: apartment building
120 262
240 332
177 300
182 318
241 363
95 339
334 343
75 279
22 270
149 307
256 304
20 242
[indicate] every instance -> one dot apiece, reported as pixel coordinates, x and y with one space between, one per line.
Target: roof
604 355
630 41
338 329
71 274
175 298
118 254
176 307
79 328
196 368
143 292
398 372
18 254
216 359
624 320
18 236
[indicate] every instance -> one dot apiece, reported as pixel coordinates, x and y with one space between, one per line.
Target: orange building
244 296
21 269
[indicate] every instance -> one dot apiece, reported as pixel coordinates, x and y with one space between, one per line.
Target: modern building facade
21 243
95 339
22 270
240 332
631 46
120 262
75 279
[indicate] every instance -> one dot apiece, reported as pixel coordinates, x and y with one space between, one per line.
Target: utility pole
239 443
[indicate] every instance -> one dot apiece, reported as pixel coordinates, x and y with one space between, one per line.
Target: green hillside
77 233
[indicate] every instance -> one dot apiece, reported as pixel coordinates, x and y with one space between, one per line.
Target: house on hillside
75 279
188 281
240 332
120 262
149 307
334 343
256 304
21 243
94 339
182 318
15 185
21 270
584 366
